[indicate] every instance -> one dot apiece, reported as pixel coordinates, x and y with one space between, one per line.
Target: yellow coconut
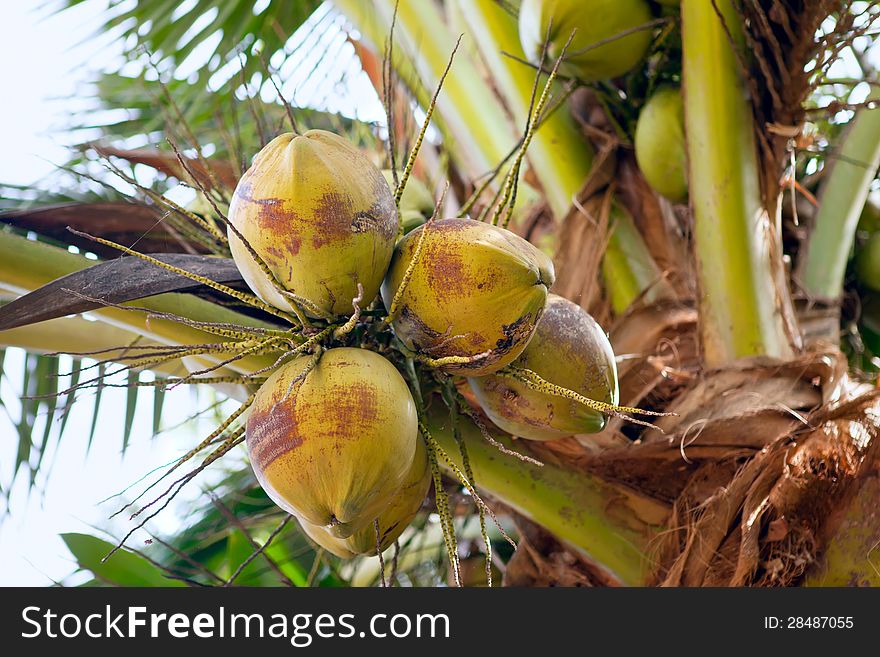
392 521
334 446
569 349
593 21
320 215
660 144
476 293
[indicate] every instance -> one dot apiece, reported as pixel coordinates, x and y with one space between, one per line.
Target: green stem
841 201
610 527
628 267
743 303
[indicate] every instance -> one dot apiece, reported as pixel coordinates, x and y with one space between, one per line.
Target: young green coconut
333 442
592 21
661 150
570 350
392 521
466 296
320 216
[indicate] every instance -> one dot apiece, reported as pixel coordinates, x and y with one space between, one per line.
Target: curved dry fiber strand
706 527
792 488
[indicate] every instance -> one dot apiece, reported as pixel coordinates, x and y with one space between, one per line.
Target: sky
60 59
45 59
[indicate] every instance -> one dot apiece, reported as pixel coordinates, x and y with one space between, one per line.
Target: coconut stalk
743 302
841 201
611 527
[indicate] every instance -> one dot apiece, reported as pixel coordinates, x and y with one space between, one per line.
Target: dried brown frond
791 44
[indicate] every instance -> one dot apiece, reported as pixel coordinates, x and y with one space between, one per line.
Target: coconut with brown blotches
333 442
474 298
570 350
321 217
392 521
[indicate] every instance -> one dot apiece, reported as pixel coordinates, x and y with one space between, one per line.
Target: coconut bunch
396 307
334 434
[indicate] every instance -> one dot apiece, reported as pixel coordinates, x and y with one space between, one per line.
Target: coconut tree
697 172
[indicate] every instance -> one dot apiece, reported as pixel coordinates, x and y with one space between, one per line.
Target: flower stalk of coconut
842 198
508 194
560 156
479 132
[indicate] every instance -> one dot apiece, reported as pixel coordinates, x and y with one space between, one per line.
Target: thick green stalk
612 528
627 266
841 200
742 301
26 265
479 133
561 157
